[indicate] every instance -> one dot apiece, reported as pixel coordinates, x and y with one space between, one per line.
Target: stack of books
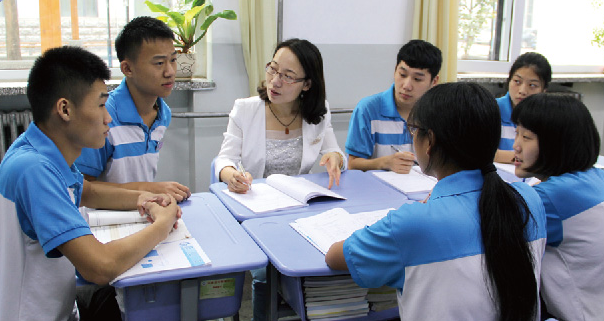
382 298
335 297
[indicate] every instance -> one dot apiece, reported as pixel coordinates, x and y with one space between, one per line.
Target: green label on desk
219 288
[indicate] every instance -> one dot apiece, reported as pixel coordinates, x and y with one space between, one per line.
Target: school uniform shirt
433 252
375 126
508 128
245 139
131 149
39 199
572 275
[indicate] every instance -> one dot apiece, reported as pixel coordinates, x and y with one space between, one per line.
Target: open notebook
179 250
323 230
281 192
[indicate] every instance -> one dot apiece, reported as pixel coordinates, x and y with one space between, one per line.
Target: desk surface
361 189
225 242
289 252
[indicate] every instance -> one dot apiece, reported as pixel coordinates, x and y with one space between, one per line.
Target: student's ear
435 80
125 67
431 141
63 109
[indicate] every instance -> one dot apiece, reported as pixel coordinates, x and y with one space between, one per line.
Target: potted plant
184 22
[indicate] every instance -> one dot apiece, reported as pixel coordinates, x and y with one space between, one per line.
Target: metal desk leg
189 291
272 280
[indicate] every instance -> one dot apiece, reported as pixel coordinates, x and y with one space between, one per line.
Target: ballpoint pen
241 170
399 151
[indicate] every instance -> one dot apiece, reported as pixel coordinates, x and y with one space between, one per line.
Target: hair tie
488 169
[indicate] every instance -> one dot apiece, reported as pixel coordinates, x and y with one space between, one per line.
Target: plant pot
185 62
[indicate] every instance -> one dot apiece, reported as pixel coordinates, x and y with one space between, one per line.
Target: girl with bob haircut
473 250
557 142
530 74
282 131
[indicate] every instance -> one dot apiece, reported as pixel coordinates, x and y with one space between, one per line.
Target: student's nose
407 84
516 145
523 89
170 69
107 117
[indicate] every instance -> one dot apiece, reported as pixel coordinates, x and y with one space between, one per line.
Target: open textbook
179 250
415 182
323 230
281 192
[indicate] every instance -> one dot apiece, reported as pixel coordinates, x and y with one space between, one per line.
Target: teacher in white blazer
286 127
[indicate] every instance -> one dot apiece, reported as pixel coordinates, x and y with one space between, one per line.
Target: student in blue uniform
140 116
473 250
557 142
378 137
530 74
43 236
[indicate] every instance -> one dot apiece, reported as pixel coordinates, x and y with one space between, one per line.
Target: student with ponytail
557 141
473 250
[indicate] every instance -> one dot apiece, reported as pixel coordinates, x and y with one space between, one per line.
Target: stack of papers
281 192
413 184
382 298
179 250
323 230
334 298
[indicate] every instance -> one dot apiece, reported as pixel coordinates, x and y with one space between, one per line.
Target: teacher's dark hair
568 137
465 123
312 105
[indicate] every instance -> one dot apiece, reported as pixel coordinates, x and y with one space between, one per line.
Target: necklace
279 120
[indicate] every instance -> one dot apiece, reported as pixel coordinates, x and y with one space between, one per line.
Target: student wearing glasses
530 74
286 127
558 142
377 133
282 131
473 250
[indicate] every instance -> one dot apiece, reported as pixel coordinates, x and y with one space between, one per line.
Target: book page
299 188
414 182
264 198
108 233
169 256
107 217
323 230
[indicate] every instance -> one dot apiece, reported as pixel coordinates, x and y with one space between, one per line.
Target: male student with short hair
378 135
43 236
140 116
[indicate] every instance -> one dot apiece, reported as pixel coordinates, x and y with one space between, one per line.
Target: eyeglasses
288 79
413 129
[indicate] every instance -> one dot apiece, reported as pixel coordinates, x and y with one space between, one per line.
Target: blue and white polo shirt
39 198
572 276
433 252
375 126
131 150
508 128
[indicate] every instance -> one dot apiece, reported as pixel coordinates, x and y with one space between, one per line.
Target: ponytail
509 262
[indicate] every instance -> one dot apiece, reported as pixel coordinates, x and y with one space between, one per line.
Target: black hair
537 62
568 137
422 55
131 37
463 121
62 72
312 106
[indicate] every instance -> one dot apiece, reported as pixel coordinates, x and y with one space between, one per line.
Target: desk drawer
221 297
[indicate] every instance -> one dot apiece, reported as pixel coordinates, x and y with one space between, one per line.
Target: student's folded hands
157 206
178 191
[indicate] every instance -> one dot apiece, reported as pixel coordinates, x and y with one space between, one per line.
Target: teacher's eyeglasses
288 79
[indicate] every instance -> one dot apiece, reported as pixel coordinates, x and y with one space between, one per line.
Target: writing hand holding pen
240 181
401 162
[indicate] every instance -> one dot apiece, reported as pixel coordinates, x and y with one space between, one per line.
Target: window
94 26
492 33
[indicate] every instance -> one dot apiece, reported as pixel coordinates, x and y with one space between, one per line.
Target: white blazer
245 139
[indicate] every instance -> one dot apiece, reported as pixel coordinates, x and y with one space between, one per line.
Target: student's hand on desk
239 183
157 212
400 162
333 162
178 191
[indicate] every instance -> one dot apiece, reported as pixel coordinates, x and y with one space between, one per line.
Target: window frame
515 9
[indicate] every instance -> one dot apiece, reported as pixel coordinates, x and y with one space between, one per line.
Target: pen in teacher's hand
241 170
399 151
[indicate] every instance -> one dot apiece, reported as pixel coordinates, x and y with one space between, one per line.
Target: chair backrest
213 178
